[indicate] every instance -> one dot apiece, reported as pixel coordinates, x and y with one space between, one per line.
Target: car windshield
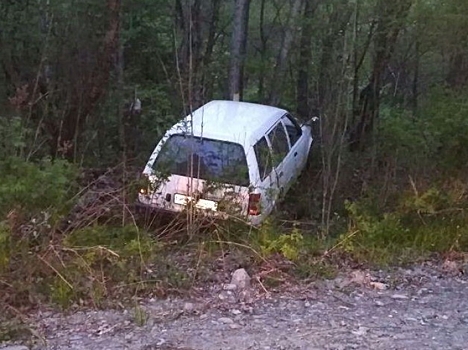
212 160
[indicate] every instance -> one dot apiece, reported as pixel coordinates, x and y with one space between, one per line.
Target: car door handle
295 154
280 174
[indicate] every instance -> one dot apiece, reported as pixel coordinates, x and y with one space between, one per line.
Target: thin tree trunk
206 81
263 49
119 68
189 23
338 22
415 88
305 57
84 99
388 28
359 60
238 48
458 73
281 63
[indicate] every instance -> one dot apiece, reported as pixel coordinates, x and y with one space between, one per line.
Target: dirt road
420 308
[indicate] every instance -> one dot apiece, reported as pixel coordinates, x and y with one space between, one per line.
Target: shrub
271 240
35 187
434 139
433 220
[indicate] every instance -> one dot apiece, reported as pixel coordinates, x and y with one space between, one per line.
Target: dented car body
226 159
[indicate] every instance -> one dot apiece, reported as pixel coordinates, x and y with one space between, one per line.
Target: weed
140 316
273 279
61 293
421 223
271 240
13 330
314 270
36 187
4 246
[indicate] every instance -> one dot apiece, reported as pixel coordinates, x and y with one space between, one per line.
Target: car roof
230 121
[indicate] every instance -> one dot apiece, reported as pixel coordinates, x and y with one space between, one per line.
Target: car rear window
212 160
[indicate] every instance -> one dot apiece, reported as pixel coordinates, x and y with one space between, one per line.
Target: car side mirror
311 121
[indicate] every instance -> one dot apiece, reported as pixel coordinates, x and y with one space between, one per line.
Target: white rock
230 286
16 347
241 279
378 285
399 297
161 342
360 277
225 320
189 307
360 331
245 296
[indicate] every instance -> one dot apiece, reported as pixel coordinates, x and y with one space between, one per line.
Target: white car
227 158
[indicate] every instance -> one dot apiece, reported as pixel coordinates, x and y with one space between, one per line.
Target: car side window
263 154
279 143
293 129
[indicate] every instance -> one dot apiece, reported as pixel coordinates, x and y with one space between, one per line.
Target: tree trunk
415 87
388 28
207 80
84 98
263 54
458 72
281 63
305 57
238 49
327 76
358 59
189 22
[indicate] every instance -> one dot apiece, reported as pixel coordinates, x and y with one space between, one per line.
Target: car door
267 182
300 140
283 162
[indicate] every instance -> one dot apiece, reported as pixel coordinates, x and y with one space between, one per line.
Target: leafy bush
88 265
271 240
433 220
435 139
444 118
402 137
35 187
12 137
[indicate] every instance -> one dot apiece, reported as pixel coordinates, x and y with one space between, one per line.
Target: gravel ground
419 308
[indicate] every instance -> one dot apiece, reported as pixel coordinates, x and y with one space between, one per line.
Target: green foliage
272 241
421 223
436 138
140 316
128 241
4 245
12 329
125 250
373 237
308 268
402 136
61 293
12 136
99 259
445 123
35 187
